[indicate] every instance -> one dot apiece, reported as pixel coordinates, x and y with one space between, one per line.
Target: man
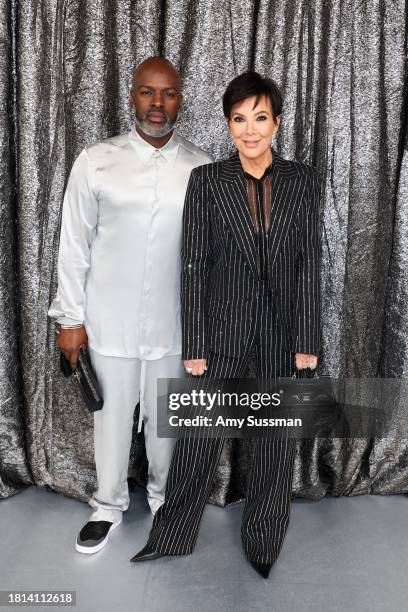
118 284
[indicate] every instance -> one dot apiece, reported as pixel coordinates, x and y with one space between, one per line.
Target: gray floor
345 554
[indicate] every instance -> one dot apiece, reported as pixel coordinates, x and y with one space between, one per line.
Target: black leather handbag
314 396
85 377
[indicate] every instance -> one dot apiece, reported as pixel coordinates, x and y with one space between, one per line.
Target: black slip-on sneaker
94 536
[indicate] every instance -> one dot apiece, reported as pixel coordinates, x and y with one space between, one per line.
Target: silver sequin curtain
65 69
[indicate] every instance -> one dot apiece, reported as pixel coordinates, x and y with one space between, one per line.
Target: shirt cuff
68 321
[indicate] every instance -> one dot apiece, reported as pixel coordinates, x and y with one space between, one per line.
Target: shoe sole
87 550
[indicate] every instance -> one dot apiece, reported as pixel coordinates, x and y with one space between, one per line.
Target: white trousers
124 382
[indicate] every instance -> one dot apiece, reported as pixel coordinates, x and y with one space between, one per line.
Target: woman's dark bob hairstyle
251 84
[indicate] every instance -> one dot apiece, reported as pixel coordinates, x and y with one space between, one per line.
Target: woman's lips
251 144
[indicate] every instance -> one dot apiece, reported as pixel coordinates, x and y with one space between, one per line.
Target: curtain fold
65 74
14 470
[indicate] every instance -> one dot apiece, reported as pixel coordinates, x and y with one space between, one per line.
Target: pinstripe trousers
194 462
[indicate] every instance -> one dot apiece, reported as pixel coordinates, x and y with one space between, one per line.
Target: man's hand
70 341
195 367
303 361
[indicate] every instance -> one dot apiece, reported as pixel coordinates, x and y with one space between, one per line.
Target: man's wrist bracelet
77 326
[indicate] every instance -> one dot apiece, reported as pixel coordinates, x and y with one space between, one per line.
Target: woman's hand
303 361
196 367
70 341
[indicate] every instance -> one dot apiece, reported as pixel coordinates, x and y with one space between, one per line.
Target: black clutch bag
315 396
86 379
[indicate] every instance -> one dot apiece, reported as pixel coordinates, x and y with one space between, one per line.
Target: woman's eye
238 119
261 118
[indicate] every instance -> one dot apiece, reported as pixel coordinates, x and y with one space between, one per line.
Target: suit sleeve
307 310
195 265
78 227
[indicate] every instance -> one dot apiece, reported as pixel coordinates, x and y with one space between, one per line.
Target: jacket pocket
217 309
223 337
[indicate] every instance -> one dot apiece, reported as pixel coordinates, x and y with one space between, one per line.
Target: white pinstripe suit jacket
220 283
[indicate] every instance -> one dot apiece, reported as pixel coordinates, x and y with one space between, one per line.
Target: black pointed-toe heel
147 554
263 569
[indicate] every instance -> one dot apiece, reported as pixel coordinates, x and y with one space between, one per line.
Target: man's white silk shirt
119 252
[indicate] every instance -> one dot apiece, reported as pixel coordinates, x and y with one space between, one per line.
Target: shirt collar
267 172
268 169
145 150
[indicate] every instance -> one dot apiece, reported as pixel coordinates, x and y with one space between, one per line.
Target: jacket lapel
234 209
285 204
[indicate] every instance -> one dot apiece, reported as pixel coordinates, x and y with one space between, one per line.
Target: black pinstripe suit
228 313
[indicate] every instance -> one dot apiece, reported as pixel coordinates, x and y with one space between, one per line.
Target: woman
250 286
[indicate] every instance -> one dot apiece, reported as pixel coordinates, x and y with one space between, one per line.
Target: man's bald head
157 64
156 98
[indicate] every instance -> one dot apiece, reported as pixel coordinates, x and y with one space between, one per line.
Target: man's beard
150 129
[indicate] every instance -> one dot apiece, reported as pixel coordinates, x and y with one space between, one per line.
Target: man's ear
181 101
